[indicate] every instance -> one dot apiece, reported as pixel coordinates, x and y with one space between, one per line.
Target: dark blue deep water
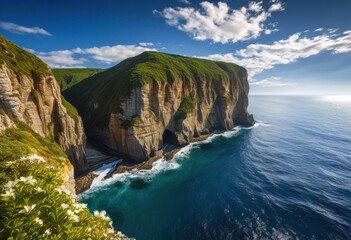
289 177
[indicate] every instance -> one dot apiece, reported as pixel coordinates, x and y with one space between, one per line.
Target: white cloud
110 54
184 1
63 58
79 56
319 29
277 6
14 28
221 24
146 44
30 50
270 82
259 57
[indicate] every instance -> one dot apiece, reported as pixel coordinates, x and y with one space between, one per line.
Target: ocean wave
147 175
160 165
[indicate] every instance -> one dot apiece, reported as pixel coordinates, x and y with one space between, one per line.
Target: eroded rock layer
29 93
156 99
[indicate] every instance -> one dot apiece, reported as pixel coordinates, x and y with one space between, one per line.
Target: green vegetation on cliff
21 61
186 106
67 77
34 203
71 111
103 92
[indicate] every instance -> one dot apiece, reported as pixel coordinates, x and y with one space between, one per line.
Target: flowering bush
35 205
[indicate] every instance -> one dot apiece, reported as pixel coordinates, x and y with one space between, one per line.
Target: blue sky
288 47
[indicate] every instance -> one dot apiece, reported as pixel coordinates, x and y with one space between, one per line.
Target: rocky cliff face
35 99
171 111
38 103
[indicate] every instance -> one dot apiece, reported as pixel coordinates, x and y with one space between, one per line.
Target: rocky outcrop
196 97
37 102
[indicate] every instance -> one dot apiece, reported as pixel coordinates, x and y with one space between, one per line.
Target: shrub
33 202
186 106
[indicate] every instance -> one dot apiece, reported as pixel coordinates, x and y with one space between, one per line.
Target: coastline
84 182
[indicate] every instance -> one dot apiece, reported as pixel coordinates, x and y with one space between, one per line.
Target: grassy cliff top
67 77
109 87
20 60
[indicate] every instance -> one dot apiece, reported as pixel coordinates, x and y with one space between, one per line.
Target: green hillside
107 88
67 77
21 61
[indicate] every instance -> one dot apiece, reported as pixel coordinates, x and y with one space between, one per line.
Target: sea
287 177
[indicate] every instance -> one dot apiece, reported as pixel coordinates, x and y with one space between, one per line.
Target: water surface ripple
289 177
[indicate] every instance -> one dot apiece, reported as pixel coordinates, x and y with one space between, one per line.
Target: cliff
154 99
37 129
30 93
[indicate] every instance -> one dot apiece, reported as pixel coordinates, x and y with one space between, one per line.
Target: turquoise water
288 177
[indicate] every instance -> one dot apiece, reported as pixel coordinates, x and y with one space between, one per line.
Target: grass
186 106
71 111
33 202
100 95
67 77
21 61
21 141
227 98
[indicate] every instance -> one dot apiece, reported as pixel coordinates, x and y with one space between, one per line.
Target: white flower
96 214
27 209
64 205
33 158
68 192
84 205
49 167
10 184
110 230
70 212
79 207
39 189
72 216
9 163
47 232
89 229
101 215
75 218
30 180
39 221
59 190
8 193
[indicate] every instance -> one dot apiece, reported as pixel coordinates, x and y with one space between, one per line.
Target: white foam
160 165
256 125
103 171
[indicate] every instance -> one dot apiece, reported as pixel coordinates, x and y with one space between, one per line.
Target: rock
29 93
158 111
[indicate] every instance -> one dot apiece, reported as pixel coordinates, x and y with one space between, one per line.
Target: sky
289 47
